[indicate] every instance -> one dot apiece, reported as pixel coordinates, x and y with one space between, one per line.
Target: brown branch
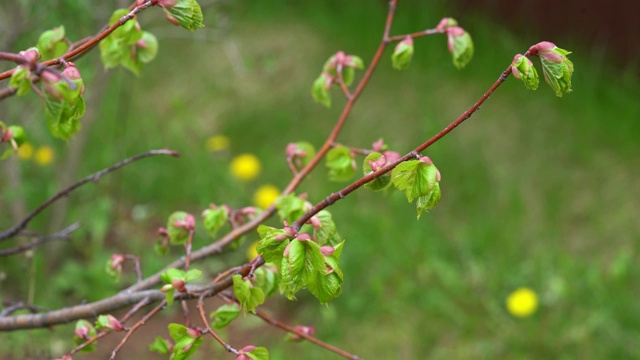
226 346
121 300
87 45
61 235
64 192
331 199
135 326
144 302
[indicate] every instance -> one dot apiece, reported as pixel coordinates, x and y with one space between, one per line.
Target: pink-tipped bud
167 3
162 232
452 33
303 237
377 146
82 332
193 333
114 324
445 23
32 55
141 44
327 250
178 284
188 223
289 231
281 237
329 80
7 135
315 222
140 2
247 349
392 156
438 177
116 261
426 160
376 165
307 330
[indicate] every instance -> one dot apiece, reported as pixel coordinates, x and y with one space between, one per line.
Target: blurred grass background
538 191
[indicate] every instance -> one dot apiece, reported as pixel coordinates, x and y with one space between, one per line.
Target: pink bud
445 23
82 332
114 324
32 55
247 349
72 72
291 150
167 3
289 230
141 44
7 136
408 41
426 160
452 33
178 284
303 237
162 232
327 250
377 146
340 57
329 80
193 333
376 165
281 237
317 224
392 156
116 261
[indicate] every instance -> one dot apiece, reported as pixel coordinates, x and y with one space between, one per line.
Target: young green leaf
215 219
522 69
371 161
272 244
321 89
290 207
300 263
327 232
186 342
21 80
186 13
556 67
327 285
460 45
178 234
248 295
418 180
341 163
62 117
51 43
84 331
402 54
224 315
267 279
259 353
147 47
161 346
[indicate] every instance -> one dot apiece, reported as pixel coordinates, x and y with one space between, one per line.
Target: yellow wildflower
245 167
217 143
44 155
522 302
265 196
25 151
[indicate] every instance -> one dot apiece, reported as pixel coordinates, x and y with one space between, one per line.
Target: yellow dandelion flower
25 151
44 155
265 196
245 167
522 302
252 252
217 143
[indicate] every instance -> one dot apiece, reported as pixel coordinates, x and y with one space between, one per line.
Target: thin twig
60 235
93 177
136 266
8 310
135 326
226 346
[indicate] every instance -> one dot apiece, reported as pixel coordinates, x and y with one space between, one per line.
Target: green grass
537 191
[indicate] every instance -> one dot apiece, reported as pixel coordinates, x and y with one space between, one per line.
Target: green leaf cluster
558 74
224 315
21 80
185 345
321 89
248 295
418 181
176 274
379 183
327 233
127 45
524 70
91 333
187 13
178 235
63 116
52 44
341 163
259 353
290 207
215 219
402 54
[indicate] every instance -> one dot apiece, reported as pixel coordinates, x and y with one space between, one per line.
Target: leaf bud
327 250
376 165
167 3
392 156
193 333
446 23
426 160
82 332
402 54
303 237
32 55
113 324
556 67
377 145
460 45
522 69
178 284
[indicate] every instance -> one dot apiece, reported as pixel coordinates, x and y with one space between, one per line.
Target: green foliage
186 13
341 163
51 43
224 315
402 54
178 234
267 278
290 207
524 70
558 74
173 276
301 261
418 180
308 150
462 50
214 219
259 353
88 331
63 117
21 80
379 183
321 89
248 295
186 344
327 233
161 346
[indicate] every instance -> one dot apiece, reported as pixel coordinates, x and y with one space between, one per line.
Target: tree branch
60 235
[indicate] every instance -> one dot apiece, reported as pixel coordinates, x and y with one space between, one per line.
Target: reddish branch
95 177
226 346
135 326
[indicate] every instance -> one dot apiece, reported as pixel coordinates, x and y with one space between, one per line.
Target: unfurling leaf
290 207
321 89
186 340
51 43
373 162
214 219
522 69
161 346
272 244
178 227
402 54
327 232
186 13
460 45
84 331
224 315
299 265
63 117
556 67
253 353
341 163
266 278
21 80
248 295
418 179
